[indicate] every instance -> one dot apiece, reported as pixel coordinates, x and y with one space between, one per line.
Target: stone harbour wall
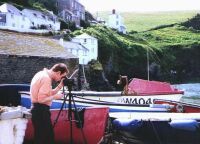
21 69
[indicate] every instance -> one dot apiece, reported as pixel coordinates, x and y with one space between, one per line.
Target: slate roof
12 43
10 8
74 45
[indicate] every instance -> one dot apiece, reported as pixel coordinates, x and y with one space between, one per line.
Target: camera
68 81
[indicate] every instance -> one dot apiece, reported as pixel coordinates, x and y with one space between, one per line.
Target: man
42 96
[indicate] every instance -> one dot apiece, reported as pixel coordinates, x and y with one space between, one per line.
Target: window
2 24
84 53
12 16
117 23
13 24
92 41
85 40
35 14
43 17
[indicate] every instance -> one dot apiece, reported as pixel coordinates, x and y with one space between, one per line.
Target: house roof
84 36
12 43
74 45
36 13
10 8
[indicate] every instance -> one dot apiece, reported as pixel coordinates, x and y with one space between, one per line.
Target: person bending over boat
42 96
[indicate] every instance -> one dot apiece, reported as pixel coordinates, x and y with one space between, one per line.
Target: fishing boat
181 125
137 96
179 106
77 125
13 123
157 128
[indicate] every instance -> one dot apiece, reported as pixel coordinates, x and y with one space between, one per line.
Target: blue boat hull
157 131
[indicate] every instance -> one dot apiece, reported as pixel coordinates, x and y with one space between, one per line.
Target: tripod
70 99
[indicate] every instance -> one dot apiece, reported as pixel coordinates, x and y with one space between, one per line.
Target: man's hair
60 67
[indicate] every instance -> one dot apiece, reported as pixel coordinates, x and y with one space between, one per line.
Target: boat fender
186 124
179 108
127 125
79 116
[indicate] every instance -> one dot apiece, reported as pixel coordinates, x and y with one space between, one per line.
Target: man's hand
58 96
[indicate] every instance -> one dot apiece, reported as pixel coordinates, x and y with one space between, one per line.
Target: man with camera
42 96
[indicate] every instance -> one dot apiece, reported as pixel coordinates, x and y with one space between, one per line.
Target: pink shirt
41 87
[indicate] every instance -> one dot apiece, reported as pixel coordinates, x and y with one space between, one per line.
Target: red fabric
145 87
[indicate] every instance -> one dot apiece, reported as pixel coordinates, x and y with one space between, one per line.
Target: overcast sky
140 5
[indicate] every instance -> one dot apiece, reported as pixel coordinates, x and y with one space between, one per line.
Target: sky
140 5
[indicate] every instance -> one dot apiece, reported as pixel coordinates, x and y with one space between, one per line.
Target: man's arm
46 94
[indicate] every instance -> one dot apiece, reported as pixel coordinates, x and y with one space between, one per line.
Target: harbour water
191 92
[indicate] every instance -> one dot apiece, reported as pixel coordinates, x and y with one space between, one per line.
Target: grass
176 35
144 21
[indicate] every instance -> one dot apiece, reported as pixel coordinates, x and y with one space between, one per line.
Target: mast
147 64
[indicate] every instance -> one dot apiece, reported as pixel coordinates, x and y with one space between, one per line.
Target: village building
89 42
22 55
71 11
76 49
41 20
27 20
11 17
115 21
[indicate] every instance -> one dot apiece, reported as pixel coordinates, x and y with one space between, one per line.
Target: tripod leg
79 121
64 102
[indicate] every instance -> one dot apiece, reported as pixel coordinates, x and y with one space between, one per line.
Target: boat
179 106
156 128
85 125
181 125
13 123
137 96
145 92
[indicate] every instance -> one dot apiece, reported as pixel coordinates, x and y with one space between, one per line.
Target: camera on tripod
68 82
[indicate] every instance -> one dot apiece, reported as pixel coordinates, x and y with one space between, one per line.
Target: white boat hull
115 103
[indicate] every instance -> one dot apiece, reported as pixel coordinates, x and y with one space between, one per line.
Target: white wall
91 44
24 20
17 21
116 21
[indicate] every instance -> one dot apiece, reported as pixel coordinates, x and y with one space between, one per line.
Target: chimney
113 11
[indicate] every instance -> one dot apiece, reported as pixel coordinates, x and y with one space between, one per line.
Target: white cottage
90 43
76 49
116 21
27 19
12 18
40 19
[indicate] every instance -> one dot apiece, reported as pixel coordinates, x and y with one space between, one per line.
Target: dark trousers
43 129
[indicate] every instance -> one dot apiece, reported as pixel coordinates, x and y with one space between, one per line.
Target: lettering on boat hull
135 100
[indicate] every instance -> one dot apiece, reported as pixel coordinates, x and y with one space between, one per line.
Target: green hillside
173 53
144 21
